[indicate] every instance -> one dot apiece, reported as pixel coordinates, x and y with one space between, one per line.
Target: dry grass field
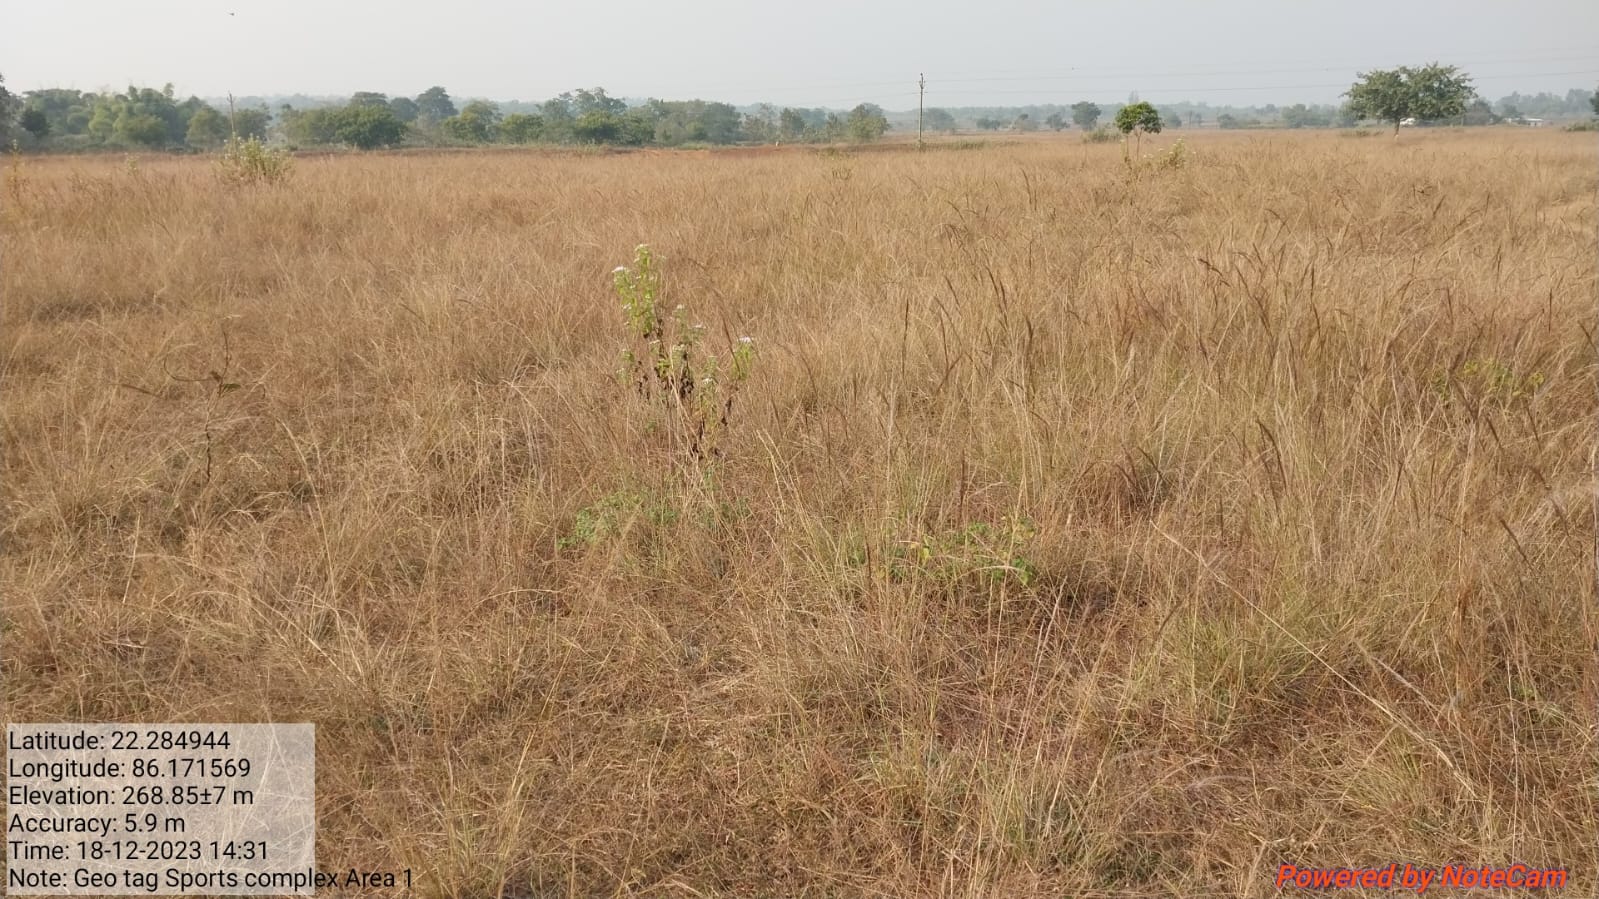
1078 530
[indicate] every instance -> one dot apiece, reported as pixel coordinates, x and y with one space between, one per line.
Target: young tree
1085 115
1138 119
1431 92
1594 101
1171 119
939 120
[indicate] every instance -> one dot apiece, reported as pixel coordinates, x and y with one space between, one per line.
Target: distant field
1081 529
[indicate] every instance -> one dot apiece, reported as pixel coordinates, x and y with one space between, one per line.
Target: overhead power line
1193 89
1082 74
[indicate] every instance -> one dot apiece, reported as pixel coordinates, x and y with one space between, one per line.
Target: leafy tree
8 105
866 122
677 122
404 109
759 126
1479 113
1594 101
476 123
1299 116
757 129
1024 122
434 105
1171 119
938 120
141 128
369 98
1085 115
791 124
138 116
207 128
988 123
521 128
638 127
102 122
558 118
66 111
721 123
35 122
468 129
1055 121
597 127
1431 92
311 126
1138 119
1574 102
251 123
585 101
368 127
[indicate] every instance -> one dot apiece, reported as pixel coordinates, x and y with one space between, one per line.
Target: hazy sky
818 52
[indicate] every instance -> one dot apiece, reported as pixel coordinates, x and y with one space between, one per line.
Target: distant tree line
145 118
137 117
152 119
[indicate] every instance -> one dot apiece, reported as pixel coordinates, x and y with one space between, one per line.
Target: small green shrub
14 177
1486 380
666 364
1101 135
990 554
610 516
1175 157
249 161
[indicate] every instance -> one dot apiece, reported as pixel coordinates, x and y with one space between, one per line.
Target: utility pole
921 93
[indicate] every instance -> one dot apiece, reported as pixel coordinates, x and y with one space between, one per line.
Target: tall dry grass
1077 533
